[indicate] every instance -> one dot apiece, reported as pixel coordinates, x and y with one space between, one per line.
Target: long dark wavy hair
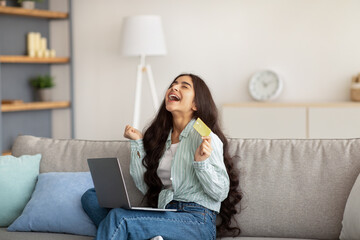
154 144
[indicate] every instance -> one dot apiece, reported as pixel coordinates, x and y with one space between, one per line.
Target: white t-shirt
164 169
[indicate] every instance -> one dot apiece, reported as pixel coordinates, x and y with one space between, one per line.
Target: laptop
110 185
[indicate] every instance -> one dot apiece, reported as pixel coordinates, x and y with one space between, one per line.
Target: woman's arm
211 172
137 169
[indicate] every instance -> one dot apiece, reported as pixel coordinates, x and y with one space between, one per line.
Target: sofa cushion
63 155
55 205
351 220
17 182
5 235
259 238
295 188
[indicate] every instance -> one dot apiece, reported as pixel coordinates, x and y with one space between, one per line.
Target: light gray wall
313 44
60 41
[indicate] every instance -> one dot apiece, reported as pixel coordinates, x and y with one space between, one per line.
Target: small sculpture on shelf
37 46
43 85
355 88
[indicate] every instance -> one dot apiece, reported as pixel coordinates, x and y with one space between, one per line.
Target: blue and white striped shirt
205 183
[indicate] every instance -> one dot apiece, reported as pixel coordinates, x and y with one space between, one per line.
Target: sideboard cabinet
292 120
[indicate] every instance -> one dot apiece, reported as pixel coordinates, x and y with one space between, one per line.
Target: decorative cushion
55 205
351 220
17 182
70 155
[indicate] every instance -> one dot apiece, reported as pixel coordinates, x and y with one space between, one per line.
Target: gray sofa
292 188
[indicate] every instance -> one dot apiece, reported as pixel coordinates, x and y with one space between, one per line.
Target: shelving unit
28 117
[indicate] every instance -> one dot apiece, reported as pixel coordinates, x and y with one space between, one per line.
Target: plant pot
28 4
2 3
44 95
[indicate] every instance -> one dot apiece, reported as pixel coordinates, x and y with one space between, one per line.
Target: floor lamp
143 36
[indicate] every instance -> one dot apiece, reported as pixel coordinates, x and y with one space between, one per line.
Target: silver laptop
110 185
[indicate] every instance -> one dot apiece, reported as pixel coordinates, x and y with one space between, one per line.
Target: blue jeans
91 206
191 221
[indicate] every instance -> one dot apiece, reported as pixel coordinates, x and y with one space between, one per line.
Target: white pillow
351 219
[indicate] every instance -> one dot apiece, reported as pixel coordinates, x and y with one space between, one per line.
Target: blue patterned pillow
55 205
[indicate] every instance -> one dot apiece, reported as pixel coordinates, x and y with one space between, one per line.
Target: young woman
174 167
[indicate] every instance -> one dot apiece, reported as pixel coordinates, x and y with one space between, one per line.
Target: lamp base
140 69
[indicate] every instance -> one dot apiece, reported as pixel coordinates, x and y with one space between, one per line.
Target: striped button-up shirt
205 183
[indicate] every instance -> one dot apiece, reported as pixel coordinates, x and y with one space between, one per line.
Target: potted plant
42 85
28 4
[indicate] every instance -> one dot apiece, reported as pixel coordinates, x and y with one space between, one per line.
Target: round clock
265 85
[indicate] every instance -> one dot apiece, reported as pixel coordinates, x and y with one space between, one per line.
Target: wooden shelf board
34 106
33 13
26 59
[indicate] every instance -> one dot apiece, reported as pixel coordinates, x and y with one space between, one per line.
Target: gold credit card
201 128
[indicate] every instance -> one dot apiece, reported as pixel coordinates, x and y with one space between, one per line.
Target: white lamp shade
143 35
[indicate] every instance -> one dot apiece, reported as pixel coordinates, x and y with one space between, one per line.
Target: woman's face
179 98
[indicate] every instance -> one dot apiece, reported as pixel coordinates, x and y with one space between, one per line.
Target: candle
40 53
32 53
31 44
37 41
52 53
43 44
47 53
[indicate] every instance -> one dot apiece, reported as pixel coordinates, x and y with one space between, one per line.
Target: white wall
313 44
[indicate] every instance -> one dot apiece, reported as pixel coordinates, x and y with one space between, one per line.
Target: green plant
45 81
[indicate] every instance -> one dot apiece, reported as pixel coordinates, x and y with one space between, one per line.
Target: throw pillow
351 219
55 205
17 182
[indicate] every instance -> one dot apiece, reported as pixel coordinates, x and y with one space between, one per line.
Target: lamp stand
140 69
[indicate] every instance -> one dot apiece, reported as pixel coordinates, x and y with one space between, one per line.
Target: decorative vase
355 89
43 95
3 3
28 4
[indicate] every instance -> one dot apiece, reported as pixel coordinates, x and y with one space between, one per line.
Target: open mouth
173 97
